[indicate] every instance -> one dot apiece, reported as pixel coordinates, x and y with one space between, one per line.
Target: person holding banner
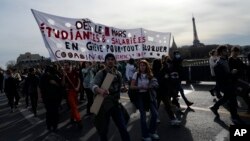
110 106
71 80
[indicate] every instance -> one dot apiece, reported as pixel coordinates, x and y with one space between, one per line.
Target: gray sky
217 21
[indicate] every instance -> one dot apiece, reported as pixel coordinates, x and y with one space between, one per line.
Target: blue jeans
145 129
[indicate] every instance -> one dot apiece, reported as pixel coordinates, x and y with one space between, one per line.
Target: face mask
177 56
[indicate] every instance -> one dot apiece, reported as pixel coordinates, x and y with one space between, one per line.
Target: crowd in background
148 83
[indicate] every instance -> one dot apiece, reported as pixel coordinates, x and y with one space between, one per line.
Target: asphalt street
198 122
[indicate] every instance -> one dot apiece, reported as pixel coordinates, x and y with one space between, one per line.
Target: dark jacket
236 63
51 88
11 85
224 77
31 84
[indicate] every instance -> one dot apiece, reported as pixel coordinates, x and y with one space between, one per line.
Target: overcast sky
217 21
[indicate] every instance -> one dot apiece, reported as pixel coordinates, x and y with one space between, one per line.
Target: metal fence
199 69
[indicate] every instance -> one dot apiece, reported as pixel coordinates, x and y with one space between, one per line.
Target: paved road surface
198 122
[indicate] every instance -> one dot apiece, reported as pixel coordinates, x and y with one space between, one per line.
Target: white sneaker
175 122
146 139
158 121
154 136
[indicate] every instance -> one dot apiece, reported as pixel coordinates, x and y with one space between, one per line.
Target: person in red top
72 83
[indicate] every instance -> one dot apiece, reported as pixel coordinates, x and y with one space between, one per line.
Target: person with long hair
145 84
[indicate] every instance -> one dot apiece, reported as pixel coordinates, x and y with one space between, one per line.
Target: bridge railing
199 69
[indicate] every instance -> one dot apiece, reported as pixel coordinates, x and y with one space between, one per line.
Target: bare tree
10 64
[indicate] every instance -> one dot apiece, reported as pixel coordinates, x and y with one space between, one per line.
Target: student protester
168 88
177 66
130 70
144 82
82 89
50 86
156 68
88 76
1 81
31 90
110 106
248 68
72 84
212 61
224 78
10 89
236 65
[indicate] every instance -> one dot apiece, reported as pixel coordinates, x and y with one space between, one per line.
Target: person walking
110 106
50 86
224 78
31 90
71 80
144 82
236 65
168 88
130 70
82 89
177 66
212 61
1 81
156 68
88 76
10 89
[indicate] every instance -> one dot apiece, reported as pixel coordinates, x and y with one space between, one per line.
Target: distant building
28 60
196 42
173 47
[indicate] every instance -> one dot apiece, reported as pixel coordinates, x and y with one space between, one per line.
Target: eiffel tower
196 42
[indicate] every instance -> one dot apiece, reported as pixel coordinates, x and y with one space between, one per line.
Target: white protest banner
84 40
156 45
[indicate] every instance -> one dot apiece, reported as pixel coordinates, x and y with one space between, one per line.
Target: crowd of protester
149 83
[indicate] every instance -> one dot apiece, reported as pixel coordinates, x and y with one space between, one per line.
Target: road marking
222 111
192 87
90 133
30 117
186 92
